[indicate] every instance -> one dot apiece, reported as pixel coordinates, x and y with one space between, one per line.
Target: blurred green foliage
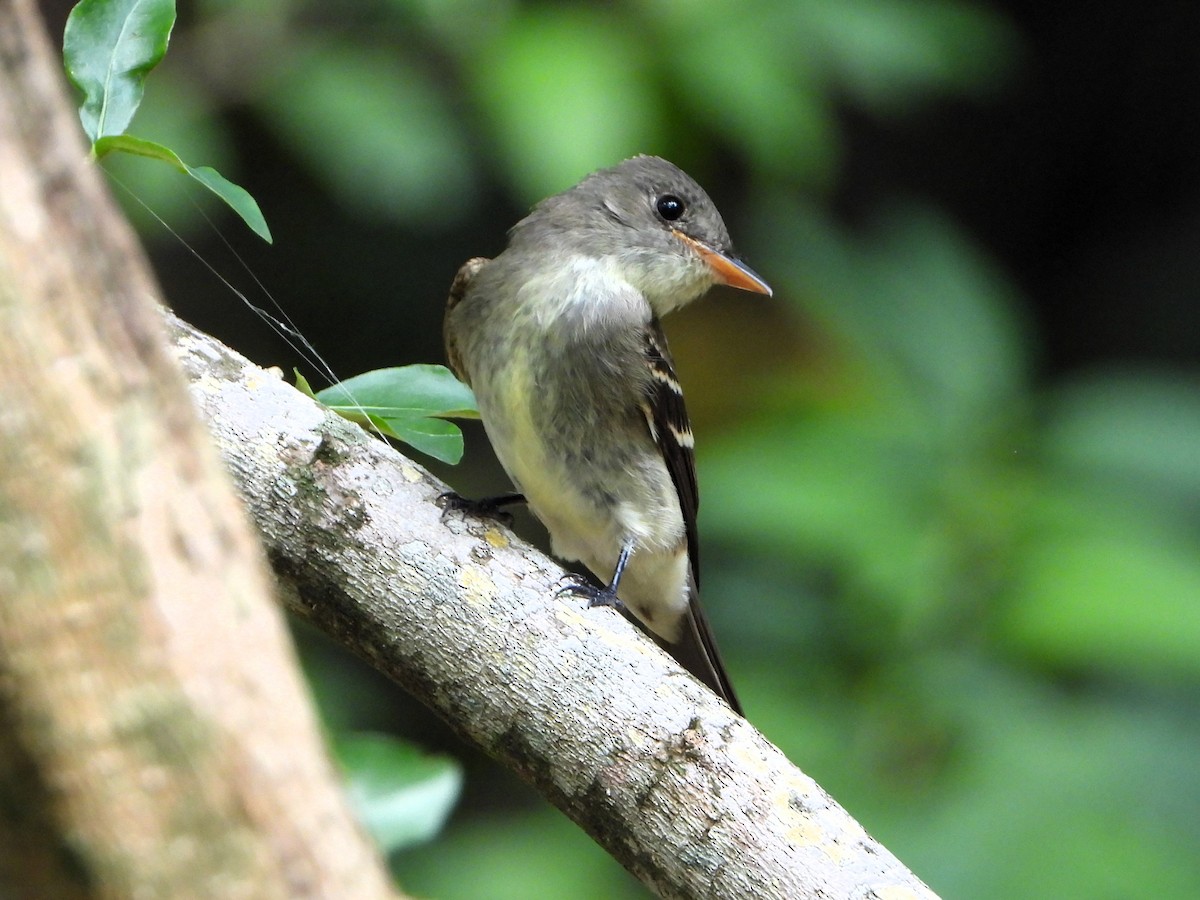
964 597
402 795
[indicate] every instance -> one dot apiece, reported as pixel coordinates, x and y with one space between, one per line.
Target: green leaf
109 47
237 198
440 439
303 386
402 795
408 403
403 392
176 112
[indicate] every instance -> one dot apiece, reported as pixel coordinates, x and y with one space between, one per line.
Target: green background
950 472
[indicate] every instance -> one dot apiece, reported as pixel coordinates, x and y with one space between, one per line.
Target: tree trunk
155 737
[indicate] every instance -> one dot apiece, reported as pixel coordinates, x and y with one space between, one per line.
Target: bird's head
653 223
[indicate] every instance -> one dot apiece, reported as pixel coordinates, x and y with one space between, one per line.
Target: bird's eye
669 207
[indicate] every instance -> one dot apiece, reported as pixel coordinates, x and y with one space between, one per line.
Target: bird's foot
595 596
485 508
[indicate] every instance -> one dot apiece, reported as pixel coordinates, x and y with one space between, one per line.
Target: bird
559 337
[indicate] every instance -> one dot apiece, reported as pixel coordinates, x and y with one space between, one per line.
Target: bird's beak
726 269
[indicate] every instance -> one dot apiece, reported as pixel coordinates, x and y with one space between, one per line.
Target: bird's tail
697 652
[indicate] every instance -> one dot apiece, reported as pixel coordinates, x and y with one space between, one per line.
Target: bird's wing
672 431
666 415
458 290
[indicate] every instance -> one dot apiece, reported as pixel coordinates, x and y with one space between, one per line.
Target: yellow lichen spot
496 538
253 377
480 589
410 473
806 834
569 615
749 755
836 851
797 816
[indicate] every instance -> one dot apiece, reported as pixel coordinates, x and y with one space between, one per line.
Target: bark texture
155 737
685 794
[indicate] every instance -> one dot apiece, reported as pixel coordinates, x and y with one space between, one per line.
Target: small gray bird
559 337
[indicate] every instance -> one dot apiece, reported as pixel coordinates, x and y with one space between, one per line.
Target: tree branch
685 794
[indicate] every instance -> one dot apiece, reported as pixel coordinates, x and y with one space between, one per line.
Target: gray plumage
559 338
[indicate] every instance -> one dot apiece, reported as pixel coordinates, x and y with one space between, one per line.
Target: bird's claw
595 596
